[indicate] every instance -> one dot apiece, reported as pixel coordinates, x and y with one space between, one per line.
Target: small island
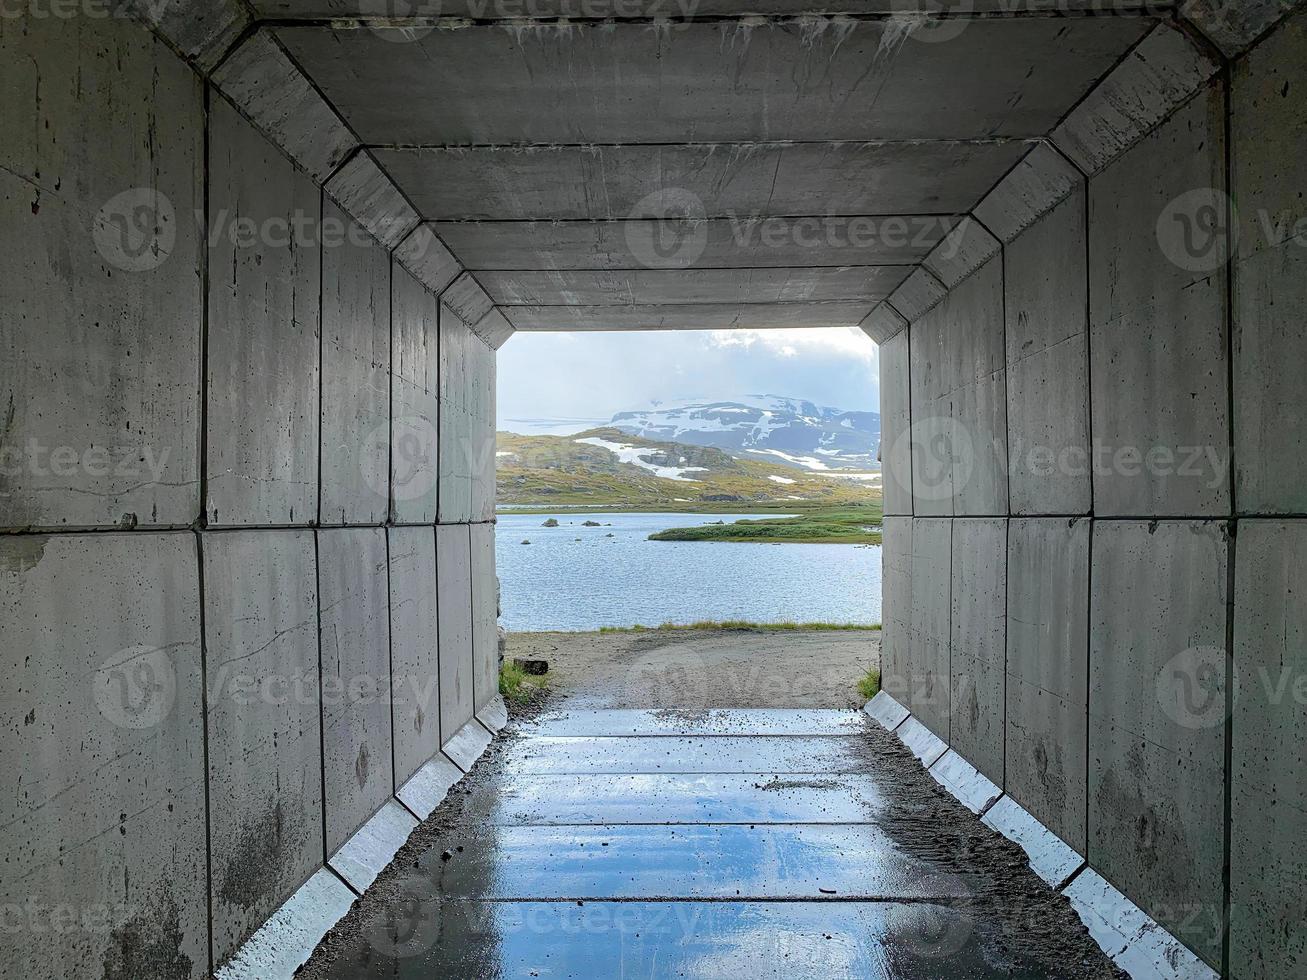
852 525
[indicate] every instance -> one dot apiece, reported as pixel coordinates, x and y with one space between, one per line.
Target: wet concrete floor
725 843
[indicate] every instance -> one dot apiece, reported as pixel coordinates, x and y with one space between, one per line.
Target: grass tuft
517 686
869 685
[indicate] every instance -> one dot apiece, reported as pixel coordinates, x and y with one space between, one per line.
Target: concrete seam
322 709
343 880
408 809
390 664
204 722
1089 679
335 171
322 340
202 519
247 32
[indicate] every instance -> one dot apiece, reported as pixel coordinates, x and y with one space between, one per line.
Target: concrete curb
286 941
1133 940
967 784
429 786
1129 936
467 745
494 716
373 846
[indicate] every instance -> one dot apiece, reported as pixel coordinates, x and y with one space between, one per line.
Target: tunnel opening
264 255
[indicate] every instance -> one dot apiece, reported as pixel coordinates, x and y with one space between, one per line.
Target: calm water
559 583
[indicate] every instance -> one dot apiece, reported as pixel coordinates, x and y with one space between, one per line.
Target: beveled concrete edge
467 745
920 293
1129 936
965 783
373 846
1050 857
428 787
885 711
883 323
921 741
1040 182
967 246
288 938
494 715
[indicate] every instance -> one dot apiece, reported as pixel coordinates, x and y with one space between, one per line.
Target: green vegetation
558 471
845 525
519 687
742 626
869 686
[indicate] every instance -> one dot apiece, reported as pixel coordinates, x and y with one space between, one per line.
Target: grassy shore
844 525
742 625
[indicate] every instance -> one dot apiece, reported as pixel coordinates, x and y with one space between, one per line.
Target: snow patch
781 479
636 456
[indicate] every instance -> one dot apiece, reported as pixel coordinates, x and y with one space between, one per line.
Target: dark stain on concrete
149 945
361 765
254 868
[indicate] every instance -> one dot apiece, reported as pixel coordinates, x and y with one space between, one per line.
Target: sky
564 382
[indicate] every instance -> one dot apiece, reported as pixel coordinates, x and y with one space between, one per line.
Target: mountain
607 466
789 431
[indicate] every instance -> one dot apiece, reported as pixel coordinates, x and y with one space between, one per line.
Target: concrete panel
1134 941
1048 672
896 609
643 287
482 417
726 243
454 575
1268 131
493 716
1049 856
415 380
921 741
930 633
1158 334
456 435
353 593
263 359
1269 791
368 194
1047 313
415 679
1033 188
979 648
365 855
429 785
286 941
102 763
895 424
426 256
720 316
494 329
600 183
355 377
1164 70
1232 27
959 411
964 250
919 293
467 299
99 352
883 323
485 618
1158 704
752 80
885 711
468 744
271 91
202 30
264 731
964 782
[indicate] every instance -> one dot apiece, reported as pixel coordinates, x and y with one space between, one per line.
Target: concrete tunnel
260 254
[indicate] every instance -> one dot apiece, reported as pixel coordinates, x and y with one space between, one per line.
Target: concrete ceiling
713 171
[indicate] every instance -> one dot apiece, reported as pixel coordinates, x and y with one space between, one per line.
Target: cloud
848 341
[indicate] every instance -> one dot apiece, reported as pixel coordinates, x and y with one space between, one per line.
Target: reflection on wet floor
641 844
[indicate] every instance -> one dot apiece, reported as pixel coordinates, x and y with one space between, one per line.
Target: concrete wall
244 403
1122 614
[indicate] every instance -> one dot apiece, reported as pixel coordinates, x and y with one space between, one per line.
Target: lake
578 578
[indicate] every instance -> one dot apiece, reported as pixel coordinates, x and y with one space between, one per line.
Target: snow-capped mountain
780 430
